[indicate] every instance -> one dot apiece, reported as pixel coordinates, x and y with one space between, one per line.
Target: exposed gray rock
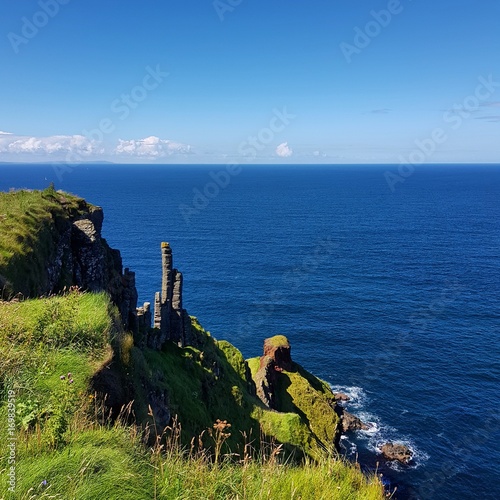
96 215
349 421
396 451
89 270
170 319
62 263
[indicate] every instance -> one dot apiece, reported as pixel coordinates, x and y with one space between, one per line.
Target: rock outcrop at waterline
284 386
349 421
395 451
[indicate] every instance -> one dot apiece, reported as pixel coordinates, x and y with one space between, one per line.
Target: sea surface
390 295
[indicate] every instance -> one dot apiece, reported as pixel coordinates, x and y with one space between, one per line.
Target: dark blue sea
390 296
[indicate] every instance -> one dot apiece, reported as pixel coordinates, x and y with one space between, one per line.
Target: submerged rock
395 451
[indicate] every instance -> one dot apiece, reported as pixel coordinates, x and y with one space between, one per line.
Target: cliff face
94 266
58 244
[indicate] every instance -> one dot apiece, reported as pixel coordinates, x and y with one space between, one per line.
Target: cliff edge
50 241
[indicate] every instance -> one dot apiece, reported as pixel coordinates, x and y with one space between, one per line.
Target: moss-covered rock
296 391
301 392
277 341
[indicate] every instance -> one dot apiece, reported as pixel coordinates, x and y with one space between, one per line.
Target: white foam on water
379 433
350 447
357 395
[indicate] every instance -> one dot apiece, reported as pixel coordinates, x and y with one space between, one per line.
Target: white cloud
491 104
79 144
151 147
318 154
5 133
381 111
284 151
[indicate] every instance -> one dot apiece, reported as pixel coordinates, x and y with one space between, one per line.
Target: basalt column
176 316
166 277
166 292
169 316
157 313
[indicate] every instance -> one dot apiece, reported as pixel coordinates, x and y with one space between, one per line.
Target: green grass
80 321
96 464
327 480
111 463
203 386
42 340
30 224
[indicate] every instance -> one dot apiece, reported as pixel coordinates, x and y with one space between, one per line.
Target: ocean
390 295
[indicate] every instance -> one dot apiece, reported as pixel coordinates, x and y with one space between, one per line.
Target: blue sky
264 81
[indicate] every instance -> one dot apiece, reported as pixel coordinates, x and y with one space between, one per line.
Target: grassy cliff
31 223
95 416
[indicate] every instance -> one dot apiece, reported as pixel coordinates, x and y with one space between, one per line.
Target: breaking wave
378 433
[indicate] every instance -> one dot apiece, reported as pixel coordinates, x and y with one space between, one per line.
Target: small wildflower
43 483
70 381
70 375
62 377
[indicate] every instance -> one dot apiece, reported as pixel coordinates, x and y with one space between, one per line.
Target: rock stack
276 358
171 321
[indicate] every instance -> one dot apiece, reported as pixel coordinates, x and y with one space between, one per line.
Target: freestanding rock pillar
169 316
